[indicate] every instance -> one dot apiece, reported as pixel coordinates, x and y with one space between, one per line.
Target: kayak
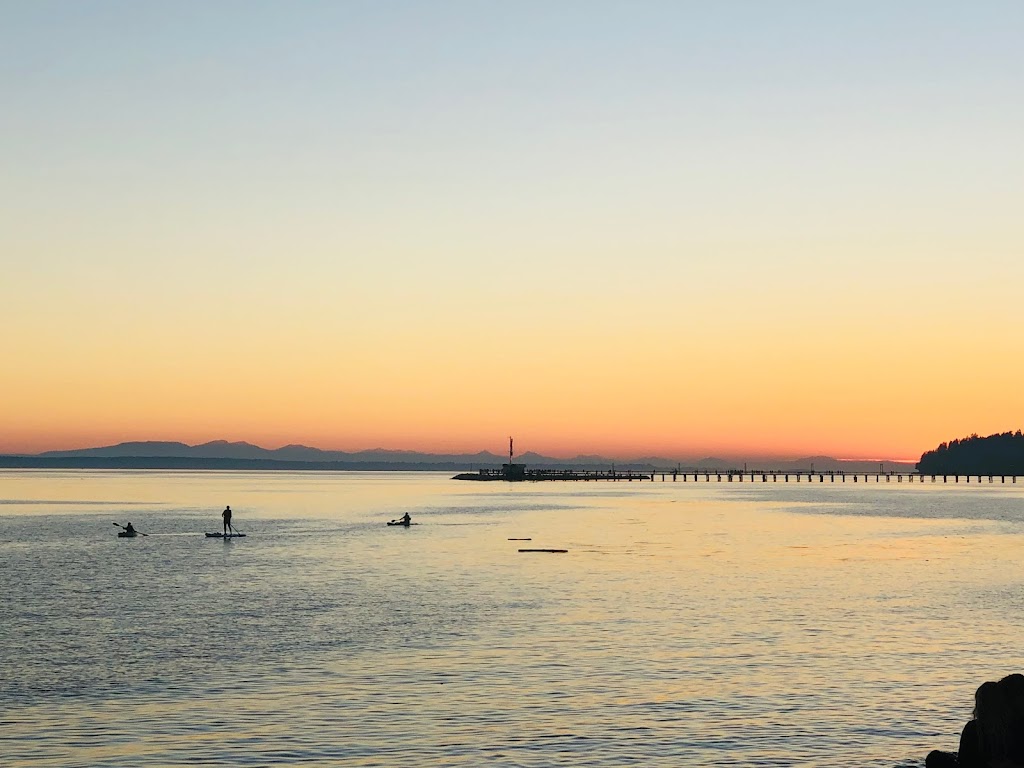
399 522
225 535
127 534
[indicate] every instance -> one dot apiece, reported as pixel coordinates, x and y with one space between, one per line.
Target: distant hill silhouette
221 454
222 449
1001 454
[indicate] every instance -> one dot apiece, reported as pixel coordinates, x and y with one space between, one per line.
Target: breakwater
520 474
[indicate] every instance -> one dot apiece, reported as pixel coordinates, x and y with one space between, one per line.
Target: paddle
138 532
232 531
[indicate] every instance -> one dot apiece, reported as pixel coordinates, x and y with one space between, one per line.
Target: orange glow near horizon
619 391
811 248
590 426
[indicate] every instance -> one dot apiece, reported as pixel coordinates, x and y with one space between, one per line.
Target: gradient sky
629 228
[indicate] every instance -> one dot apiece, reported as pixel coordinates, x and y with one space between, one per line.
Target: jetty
520 473
517 473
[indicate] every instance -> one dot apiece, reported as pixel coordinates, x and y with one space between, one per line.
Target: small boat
400 522
127 534
225 535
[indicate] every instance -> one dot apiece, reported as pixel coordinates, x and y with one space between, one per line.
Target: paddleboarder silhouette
226 514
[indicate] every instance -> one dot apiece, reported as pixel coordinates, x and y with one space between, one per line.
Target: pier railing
819 476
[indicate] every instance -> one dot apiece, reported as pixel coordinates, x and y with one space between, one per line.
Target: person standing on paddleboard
226 514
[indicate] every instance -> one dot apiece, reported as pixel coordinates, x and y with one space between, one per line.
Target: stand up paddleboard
225 535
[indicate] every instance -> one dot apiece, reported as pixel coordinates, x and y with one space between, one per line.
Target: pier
512 472
812 476
520 473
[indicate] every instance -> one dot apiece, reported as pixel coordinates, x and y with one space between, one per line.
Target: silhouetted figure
994 738
969 755
1008 732
405 519
129 530
226 514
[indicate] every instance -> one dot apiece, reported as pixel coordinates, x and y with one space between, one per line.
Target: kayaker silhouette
226 514
128 528
405 519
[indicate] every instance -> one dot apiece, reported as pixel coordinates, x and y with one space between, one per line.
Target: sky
629 228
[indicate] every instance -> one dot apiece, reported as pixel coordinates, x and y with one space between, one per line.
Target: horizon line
631 457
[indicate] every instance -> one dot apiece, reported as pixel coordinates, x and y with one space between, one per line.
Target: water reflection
688 625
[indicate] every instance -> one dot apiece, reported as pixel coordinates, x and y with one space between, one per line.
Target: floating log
543 550
520 539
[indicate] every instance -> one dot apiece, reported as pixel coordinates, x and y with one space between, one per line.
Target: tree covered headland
993 455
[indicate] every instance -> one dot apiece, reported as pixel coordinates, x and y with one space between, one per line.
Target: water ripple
810 636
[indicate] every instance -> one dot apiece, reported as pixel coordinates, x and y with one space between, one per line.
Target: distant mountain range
221 454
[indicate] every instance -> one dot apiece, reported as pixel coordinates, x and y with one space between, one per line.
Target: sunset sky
627 228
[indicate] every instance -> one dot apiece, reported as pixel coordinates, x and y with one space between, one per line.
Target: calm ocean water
689 624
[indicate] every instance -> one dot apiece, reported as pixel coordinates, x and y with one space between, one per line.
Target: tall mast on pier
510 451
